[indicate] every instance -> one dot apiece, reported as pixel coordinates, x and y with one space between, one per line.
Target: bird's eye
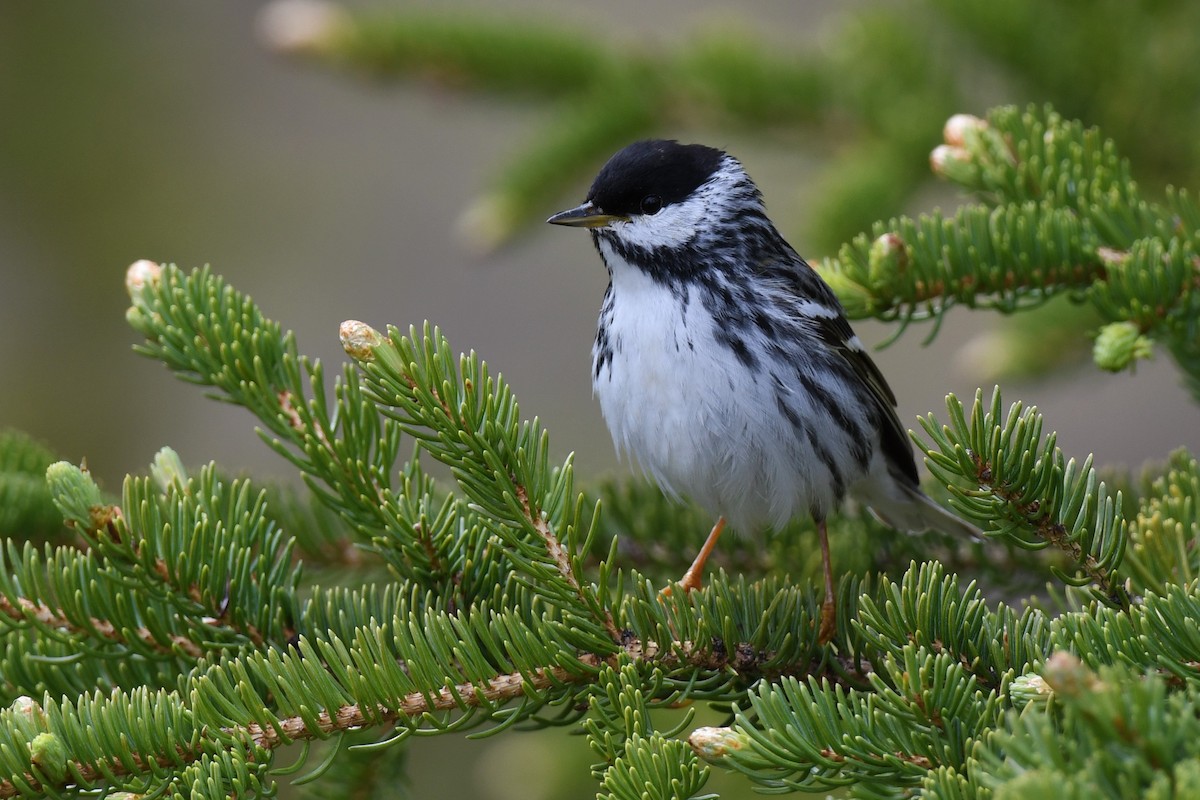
651 204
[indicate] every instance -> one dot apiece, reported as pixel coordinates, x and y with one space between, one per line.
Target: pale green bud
28 713
954 164
167 470
141 277
1029 688
856 299
887 258
49 753
1119 345
76 495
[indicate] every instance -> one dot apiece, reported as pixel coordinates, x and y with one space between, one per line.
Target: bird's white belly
682 406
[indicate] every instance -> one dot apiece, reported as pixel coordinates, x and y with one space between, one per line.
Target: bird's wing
835 331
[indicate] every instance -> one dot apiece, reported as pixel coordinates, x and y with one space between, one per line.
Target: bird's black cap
661 167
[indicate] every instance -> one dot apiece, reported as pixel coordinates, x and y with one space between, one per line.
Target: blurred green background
137 129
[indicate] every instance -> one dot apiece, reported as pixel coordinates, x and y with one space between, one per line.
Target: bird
724 365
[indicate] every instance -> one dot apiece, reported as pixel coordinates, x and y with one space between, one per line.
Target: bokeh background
137 129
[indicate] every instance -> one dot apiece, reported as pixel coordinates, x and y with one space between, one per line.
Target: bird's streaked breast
682 403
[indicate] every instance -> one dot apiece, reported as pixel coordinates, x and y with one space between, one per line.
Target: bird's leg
692 579
829 607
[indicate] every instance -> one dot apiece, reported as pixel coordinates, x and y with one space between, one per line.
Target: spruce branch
810 736
928 609
1164 537
635 757
1160 635
26 509
213 335
1061 215
1113 733
75 600
246 707
471 422
931 711
74 624
1019 487
198 567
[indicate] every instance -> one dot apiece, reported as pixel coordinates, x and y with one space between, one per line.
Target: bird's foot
828 621
690 581
694 577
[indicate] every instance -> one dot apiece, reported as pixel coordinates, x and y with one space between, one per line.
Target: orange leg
692 579
829 607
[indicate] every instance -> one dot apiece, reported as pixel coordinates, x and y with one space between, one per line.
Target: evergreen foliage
874 89
25 506
181 646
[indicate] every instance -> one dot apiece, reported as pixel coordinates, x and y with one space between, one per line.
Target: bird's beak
584 216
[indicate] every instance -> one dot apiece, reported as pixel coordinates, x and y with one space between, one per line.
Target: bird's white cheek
674 226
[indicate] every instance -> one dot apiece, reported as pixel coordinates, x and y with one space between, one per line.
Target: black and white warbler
724 365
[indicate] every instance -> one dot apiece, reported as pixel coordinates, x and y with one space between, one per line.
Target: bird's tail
914 512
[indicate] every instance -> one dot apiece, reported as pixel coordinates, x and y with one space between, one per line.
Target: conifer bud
167 470
48 752
953 163
359 339
1119 345
856 299
714 744
1067 675
887 258
77 496
301 26
960 127
141 274
29 709
1026 689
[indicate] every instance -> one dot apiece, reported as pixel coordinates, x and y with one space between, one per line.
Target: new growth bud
856 299
141 274
960 127
1068 676
167 470
887 258
301 26
359 339
76 495
1026 689
49 753
1120 345
28 709
27 718
715 744
952 163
